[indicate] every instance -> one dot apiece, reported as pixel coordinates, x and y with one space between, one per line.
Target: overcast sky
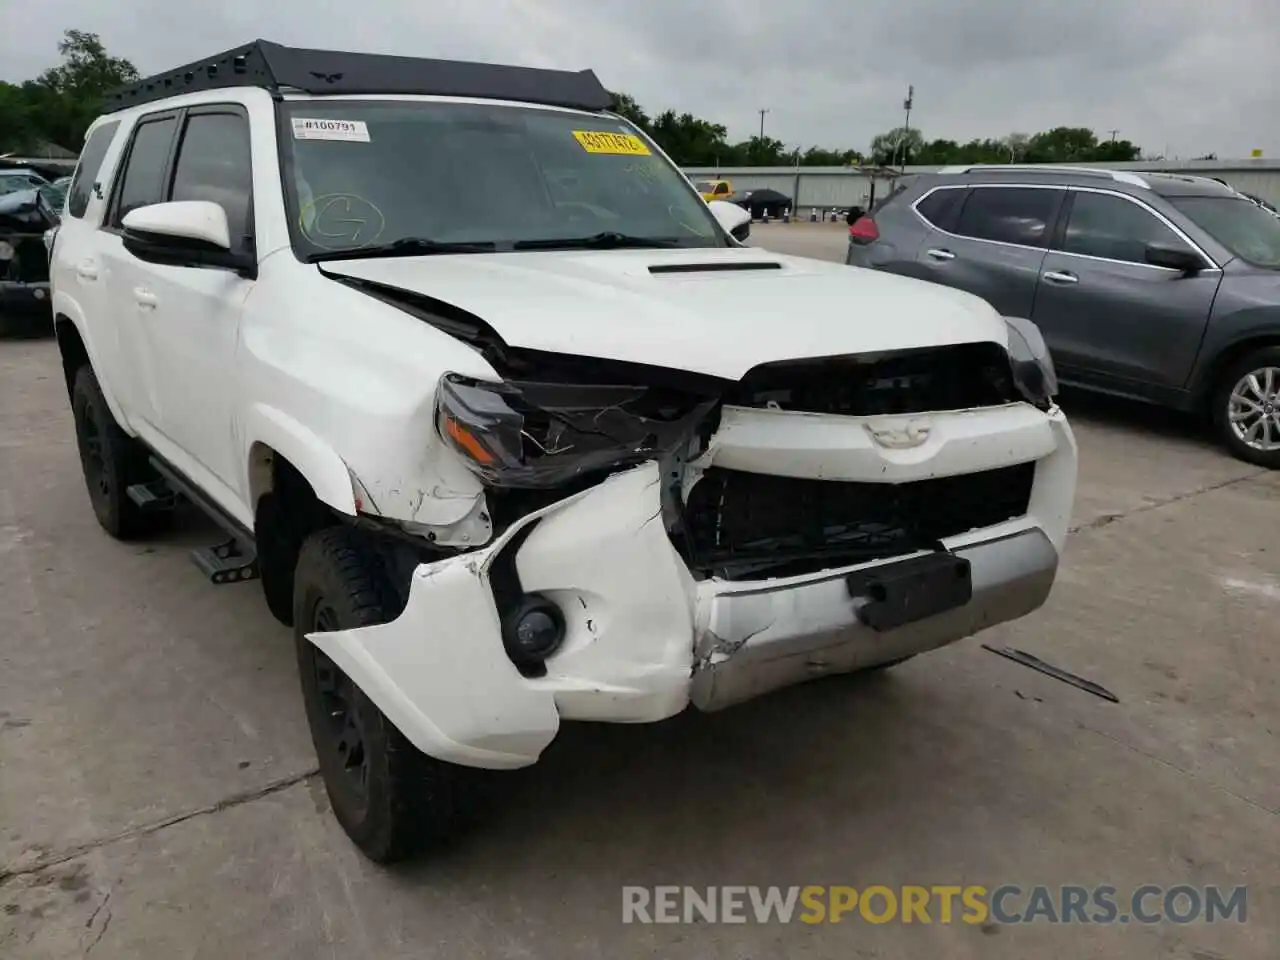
1188 76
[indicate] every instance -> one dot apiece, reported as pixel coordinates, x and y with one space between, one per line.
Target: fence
827 188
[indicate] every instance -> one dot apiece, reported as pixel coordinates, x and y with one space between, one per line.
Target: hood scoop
721 266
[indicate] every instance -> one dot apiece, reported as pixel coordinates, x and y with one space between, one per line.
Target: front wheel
111 461
392 800
1246 408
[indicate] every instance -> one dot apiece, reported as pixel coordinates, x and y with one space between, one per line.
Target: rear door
1107 315
140 181
991 242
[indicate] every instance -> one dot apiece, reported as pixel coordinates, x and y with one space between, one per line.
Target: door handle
145 297
941 254
1055 276
87 270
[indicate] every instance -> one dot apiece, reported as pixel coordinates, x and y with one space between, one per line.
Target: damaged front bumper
644 638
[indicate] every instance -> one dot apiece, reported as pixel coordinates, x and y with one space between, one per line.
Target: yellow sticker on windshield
619 144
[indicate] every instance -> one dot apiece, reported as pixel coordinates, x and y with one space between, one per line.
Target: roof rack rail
1120 176
280 69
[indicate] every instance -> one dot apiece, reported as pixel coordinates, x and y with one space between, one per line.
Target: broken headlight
536 435
1033 372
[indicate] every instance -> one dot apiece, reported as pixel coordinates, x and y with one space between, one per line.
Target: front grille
742 526
959 377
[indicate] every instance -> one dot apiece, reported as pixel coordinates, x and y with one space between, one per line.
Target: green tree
1063 145
1120 151
899 145
690 141
624 105
822 157
59 105
17 131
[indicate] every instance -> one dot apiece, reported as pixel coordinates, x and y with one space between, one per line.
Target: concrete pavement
158 797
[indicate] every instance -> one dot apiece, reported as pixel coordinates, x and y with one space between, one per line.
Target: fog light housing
532 631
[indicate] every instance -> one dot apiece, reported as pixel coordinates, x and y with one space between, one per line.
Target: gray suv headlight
1033 372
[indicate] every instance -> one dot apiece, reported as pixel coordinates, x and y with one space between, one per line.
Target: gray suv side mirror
1175 258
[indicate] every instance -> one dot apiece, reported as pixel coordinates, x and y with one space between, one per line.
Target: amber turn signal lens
467 441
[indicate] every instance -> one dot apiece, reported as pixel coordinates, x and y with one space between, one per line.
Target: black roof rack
279 69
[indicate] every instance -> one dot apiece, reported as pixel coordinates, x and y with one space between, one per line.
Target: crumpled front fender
440 673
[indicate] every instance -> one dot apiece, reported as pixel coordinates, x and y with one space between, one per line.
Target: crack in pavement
1173 766
232 800
1109 518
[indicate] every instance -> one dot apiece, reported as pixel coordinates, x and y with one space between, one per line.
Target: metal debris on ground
1035 663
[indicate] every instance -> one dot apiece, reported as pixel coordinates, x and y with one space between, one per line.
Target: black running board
233 561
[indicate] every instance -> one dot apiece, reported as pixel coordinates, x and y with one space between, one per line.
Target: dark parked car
25 215
1162 287
764 201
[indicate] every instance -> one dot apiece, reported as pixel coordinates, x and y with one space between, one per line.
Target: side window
1022 215
722 188
86 175
941 206
1114 228
214 164
142 182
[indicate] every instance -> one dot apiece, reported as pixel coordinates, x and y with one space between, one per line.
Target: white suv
512 427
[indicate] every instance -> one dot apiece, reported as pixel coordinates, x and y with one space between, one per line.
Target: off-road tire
111 462
408 802
1219 407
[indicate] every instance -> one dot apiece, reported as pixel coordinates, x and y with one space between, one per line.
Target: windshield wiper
405 247
608 240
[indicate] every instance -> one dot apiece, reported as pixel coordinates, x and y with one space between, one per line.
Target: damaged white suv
511 426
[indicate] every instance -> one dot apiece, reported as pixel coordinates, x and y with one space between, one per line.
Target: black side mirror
186 252
1175 258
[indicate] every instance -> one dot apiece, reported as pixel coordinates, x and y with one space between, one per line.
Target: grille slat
960 377
743 525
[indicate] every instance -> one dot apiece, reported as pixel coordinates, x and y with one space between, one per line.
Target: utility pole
762 112
1113 135
906 127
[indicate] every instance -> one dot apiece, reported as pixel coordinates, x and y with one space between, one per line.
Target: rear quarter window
89 167
941 207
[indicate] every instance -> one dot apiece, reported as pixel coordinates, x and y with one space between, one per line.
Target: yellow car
714 189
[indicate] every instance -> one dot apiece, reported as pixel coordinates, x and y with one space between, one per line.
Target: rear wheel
111 461
392 800
1246 408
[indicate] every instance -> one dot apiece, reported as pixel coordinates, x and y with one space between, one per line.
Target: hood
26 211
719 312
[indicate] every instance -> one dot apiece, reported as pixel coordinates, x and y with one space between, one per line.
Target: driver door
193 315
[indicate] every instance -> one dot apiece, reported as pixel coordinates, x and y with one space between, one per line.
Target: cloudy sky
1185 76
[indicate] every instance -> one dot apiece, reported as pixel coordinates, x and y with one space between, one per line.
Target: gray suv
1158 286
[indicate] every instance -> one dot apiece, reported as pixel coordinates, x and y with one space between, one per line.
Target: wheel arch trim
268 430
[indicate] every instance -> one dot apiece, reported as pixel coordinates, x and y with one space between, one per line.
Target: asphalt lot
158 797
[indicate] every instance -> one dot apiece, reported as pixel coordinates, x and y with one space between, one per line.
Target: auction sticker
352 131
603 141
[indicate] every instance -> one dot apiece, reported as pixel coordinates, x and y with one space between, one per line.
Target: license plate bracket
896 594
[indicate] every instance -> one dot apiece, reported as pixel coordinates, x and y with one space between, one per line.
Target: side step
235 560
228 562
154 497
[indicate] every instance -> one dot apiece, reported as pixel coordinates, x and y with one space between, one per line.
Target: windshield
360 174
705 186
13 182
1247 230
